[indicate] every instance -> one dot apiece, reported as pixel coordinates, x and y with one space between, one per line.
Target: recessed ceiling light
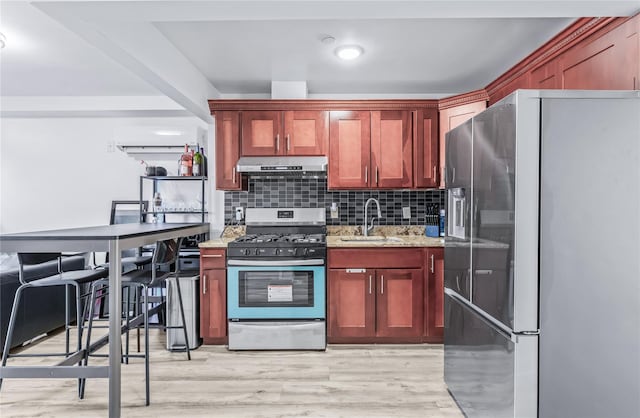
349 52
168 133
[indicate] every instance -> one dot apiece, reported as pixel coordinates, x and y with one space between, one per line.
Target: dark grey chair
72 278
138 283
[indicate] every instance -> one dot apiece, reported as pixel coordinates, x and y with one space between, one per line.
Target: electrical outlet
239 213
334 211
406 212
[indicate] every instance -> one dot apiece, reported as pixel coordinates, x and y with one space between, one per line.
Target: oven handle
278 263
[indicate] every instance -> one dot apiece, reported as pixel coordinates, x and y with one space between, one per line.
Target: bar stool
75 278
138 283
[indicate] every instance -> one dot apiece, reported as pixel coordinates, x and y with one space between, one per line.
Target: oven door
262 290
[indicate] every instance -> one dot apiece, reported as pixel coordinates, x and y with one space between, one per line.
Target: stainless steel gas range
276 281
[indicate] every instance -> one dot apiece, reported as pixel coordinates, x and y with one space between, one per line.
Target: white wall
57 172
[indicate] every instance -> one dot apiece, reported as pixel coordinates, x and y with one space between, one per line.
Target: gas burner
246 238
267 238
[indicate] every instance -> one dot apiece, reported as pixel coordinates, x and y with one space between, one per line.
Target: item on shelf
197 163
204 169
186 162
157 207
442 222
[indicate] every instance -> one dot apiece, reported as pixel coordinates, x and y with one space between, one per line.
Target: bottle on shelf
203 169
186 162
197 163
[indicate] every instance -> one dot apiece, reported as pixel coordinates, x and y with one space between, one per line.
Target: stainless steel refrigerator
542 257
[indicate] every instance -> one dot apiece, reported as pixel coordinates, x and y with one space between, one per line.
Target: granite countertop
224 237
400 236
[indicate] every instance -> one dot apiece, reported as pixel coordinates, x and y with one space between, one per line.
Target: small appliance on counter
276 281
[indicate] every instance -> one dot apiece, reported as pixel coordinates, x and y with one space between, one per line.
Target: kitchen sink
371 239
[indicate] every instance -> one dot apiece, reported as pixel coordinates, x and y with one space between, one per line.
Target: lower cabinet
434 296
213 296
372 299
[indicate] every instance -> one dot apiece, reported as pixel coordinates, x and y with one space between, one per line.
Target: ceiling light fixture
349 52
168 133
3 40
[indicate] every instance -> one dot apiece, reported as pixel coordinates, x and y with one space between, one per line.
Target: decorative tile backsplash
272 192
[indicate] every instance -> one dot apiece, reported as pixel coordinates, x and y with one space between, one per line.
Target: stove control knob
247 251
304 251
277 251
257 251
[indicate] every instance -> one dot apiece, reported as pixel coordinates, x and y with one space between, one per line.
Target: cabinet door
306 132
391 150
349 149
425 147
399 311
261 133
434 296
351 303
213 305
227 150
451 118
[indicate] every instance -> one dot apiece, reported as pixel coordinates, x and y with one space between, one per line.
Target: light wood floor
348 381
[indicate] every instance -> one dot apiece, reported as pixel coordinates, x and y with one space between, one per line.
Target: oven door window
275 288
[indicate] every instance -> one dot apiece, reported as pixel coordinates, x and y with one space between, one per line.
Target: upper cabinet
227 150
391 149
261 133
425 147
306 132
284 133
370 149
349 149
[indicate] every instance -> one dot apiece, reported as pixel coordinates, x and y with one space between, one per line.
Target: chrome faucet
366 227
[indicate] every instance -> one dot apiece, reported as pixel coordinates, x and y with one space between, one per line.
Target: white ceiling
191 51
404 56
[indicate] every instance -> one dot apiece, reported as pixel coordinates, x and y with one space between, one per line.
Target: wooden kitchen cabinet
391 149
425 148
228 150
351 303
261 133
370 149
349 149
306 132
293 132
434 296
213 296
370 303
400 306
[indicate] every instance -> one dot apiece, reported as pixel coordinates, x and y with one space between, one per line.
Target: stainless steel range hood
281 164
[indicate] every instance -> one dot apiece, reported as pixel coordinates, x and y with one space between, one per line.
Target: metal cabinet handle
382 285
370 287
204 284
366 174
277 142
432 264
288 142
376 175
458 282
434 173
211 255
234 175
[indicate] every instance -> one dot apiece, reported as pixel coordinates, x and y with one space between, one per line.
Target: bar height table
112 238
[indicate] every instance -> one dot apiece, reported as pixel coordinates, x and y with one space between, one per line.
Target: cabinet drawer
376 258
212 259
